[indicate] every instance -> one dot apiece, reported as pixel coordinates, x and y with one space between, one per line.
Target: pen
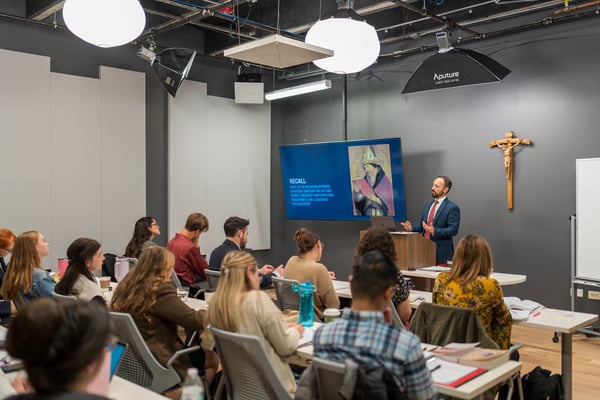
535 314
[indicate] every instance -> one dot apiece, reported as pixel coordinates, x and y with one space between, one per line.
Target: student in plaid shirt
365 334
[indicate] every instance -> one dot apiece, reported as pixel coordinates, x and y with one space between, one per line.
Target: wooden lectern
412 250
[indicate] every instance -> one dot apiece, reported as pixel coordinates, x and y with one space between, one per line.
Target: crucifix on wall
507 145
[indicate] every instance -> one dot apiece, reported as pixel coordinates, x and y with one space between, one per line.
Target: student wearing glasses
144 232
306 267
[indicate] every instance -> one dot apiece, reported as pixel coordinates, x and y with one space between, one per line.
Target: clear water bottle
193 388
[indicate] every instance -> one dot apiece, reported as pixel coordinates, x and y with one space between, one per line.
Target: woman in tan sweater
239 306
306 267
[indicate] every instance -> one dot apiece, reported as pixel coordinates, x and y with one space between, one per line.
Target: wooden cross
507 145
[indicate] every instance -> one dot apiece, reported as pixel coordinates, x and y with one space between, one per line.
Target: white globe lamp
354 43
105 23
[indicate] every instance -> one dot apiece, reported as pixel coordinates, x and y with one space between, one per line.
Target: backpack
541 384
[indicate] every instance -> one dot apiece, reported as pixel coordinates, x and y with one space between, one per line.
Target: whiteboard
587 264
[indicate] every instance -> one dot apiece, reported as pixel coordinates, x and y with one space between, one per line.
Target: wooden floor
539 349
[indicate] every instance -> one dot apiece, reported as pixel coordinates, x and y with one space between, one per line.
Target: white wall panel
187 155
73 153
25 155
76 160
219 164
123 121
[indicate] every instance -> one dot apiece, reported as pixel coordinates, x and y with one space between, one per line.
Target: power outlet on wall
593 295
579 292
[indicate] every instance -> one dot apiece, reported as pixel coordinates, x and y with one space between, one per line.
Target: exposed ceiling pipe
545 22
444 14
490 18
446 22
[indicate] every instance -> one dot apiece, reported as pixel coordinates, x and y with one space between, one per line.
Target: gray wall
551 97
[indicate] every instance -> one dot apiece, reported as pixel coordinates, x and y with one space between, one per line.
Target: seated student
7 242
189 263
25 275
85 258
62 345
147 293
468 284
236 238
239 306
379 238
364 332
144 232
306 267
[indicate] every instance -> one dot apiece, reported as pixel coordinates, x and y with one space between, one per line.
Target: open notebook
112 359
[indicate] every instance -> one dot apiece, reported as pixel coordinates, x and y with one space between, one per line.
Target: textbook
520 309
454 375
453 351
484 358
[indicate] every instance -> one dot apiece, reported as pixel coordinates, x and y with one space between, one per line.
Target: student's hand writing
332 274
297 327
266 269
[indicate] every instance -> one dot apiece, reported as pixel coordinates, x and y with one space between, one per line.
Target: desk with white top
469 390
503 279
564 322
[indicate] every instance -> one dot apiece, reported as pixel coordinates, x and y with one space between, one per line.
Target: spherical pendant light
105 23
354 43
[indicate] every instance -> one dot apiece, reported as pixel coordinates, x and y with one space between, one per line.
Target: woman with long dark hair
145 230
85 258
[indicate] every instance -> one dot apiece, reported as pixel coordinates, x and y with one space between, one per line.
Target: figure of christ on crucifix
507 145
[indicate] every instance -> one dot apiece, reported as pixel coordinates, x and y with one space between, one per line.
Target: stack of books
461 362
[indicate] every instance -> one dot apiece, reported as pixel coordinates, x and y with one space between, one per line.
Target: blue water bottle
307 312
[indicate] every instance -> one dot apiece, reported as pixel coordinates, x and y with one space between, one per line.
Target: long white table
469 390
503 279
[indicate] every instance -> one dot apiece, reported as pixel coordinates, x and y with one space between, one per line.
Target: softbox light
172 66
456 67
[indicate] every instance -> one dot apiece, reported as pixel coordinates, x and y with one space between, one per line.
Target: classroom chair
247 371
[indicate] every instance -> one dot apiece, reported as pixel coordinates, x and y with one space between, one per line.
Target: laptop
386 222
100 384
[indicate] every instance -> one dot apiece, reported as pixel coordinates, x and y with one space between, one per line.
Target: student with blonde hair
148 295
25 276
239 306
468 284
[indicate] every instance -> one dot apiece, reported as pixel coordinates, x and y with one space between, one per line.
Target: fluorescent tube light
297 90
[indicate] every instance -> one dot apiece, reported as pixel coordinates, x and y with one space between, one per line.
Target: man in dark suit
440 220
236 238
